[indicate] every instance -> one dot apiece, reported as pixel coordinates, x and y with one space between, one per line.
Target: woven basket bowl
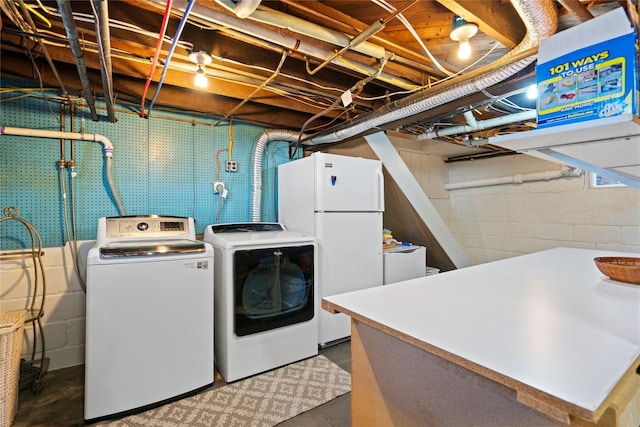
623 269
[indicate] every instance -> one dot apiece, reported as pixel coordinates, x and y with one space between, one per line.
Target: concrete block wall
502 221
64 308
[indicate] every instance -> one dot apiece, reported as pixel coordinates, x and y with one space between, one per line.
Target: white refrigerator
339 200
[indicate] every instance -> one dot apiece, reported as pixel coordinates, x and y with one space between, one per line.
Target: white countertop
548 320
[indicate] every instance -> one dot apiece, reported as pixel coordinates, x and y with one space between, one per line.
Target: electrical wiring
121 25
358 86
38 15
129 56
264 84
389 8
46 99
230 157
365 72
220 151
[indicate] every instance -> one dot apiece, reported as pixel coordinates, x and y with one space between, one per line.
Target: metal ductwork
262 140
540 19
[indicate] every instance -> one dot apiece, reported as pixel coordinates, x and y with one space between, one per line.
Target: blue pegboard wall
165 165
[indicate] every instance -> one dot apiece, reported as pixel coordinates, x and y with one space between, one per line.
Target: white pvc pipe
519 178
51 134
474 125
297 25
242 9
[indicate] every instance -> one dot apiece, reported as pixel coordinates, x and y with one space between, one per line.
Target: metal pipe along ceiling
540 19
74 43
101 13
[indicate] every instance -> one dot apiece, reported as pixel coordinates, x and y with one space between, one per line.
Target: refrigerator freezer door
350 259
346 184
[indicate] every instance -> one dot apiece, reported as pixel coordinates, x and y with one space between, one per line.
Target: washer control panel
148 226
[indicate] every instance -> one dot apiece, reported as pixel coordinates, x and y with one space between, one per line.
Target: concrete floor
60 403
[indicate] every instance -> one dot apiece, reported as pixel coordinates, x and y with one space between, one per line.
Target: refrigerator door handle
380 184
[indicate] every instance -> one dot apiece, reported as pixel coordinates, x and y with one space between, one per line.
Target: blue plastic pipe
176 38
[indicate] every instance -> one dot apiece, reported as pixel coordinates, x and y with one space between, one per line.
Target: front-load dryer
266 304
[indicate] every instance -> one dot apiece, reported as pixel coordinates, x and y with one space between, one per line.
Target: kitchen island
543 339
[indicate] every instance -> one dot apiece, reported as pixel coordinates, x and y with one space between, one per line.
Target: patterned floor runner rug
262 400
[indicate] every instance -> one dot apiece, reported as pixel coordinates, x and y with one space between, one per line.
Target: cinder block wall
64 308
502 221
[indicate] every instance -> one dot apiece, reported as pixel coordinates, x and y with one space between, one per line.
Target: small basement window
601 181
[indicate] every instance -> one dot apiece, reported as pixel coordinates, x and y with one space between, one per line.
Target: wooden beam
130 89
496 19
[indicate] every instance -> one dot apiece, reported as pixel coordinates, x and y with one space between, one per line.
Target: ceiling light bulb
464 49
532 92
200 79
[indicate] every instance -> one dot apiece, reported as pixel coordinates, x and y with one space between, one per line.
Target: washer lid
151 248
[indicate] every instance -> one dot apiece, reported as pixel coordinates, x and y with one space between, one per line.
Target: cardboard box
588 71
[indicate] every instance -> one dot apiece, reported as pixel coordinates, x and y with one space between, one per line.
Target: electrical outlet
218 187
232 166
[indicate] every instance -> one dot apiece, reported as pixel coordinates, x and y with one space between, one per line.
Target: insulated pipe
108 151
101 10
297 25
242 8
74 43
519 178
480 125
259 147
233 24
541 20
374 28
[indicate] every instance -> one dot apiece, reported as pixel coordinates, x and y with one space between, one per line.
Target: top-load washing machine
149 319
266 303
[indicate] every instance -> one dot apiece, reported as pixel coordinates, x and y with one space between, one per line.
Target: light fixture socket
462 30
200 57
201 79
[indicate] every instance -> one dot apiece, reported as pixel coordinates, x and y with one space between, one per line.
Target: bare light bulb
200 79
464 49
532 92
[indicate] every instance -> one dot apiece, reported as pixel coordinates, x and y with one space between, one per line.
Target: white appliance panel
239 357
404 263
149 331
349 259
348 184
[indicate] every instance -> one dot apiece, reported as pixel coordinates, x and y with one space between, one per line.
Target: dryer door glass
273 288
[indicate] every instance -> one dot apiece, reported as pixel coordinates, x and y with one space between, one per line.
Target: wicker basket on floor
11 327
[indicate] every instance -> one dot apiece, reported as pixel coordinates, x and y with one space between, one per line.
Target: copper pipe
72 161
62 163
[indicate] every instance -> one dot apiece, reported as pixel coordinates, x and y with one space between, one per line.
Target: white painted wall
501 221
